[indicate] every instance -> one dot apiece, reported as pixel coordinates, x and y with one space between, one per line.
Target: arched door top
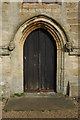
58 34
39 59
40 21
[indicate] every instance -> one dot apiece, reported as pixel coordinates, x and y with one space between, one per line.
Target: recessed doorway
40 61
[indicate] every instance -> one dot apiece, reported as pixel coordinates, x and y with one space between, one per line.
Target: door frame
26 43
58 34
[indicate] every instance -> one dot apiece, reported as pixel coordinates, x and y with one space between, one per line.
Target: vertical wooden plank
30 62
47 62
42 58
36 62
25 65
50 63
40 61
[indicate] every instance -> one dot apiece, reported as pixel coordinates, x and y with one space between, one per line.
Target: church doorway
40 61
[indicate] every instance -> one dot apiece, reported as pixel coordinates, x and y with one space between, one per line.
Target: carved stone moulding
75 52
4 52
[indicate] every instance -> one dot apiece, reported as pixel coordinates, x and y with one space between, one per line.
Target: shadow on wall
68 89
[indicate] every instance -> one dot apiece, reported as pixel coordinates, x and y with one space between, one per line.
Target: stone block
5 89
74 28
72 15
73 21
4 52
73 90
71 7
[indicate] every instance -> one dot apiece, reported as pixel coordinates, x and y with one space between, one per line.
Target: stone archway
60 38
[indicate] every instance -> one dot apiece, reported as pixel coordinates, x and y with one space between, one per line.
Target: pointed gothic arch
59 35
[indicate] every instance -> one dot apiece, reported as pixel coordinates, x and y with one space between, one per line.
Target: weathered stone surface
4 52
72 6
73 21
14 14
74 90
72 15
5 92
74 28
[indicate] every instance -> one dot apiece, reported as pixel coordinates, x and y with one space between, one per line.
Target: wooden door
40 61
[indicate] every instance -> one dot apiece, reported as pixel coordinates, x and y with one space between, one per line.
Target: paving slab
39 101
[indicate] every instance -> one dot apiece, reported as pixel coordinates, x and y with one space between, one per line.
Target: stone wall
14 14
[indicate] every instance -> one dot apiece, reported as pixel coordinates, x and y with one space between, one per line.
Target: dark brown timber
40 56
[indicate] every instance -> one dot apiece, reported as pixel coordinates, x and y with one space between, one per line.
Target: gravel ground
41 114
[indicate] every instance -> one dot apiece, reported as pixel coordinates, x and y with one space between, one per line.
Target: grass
5 110
49 110
18 94
3 98
43 110
31 110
